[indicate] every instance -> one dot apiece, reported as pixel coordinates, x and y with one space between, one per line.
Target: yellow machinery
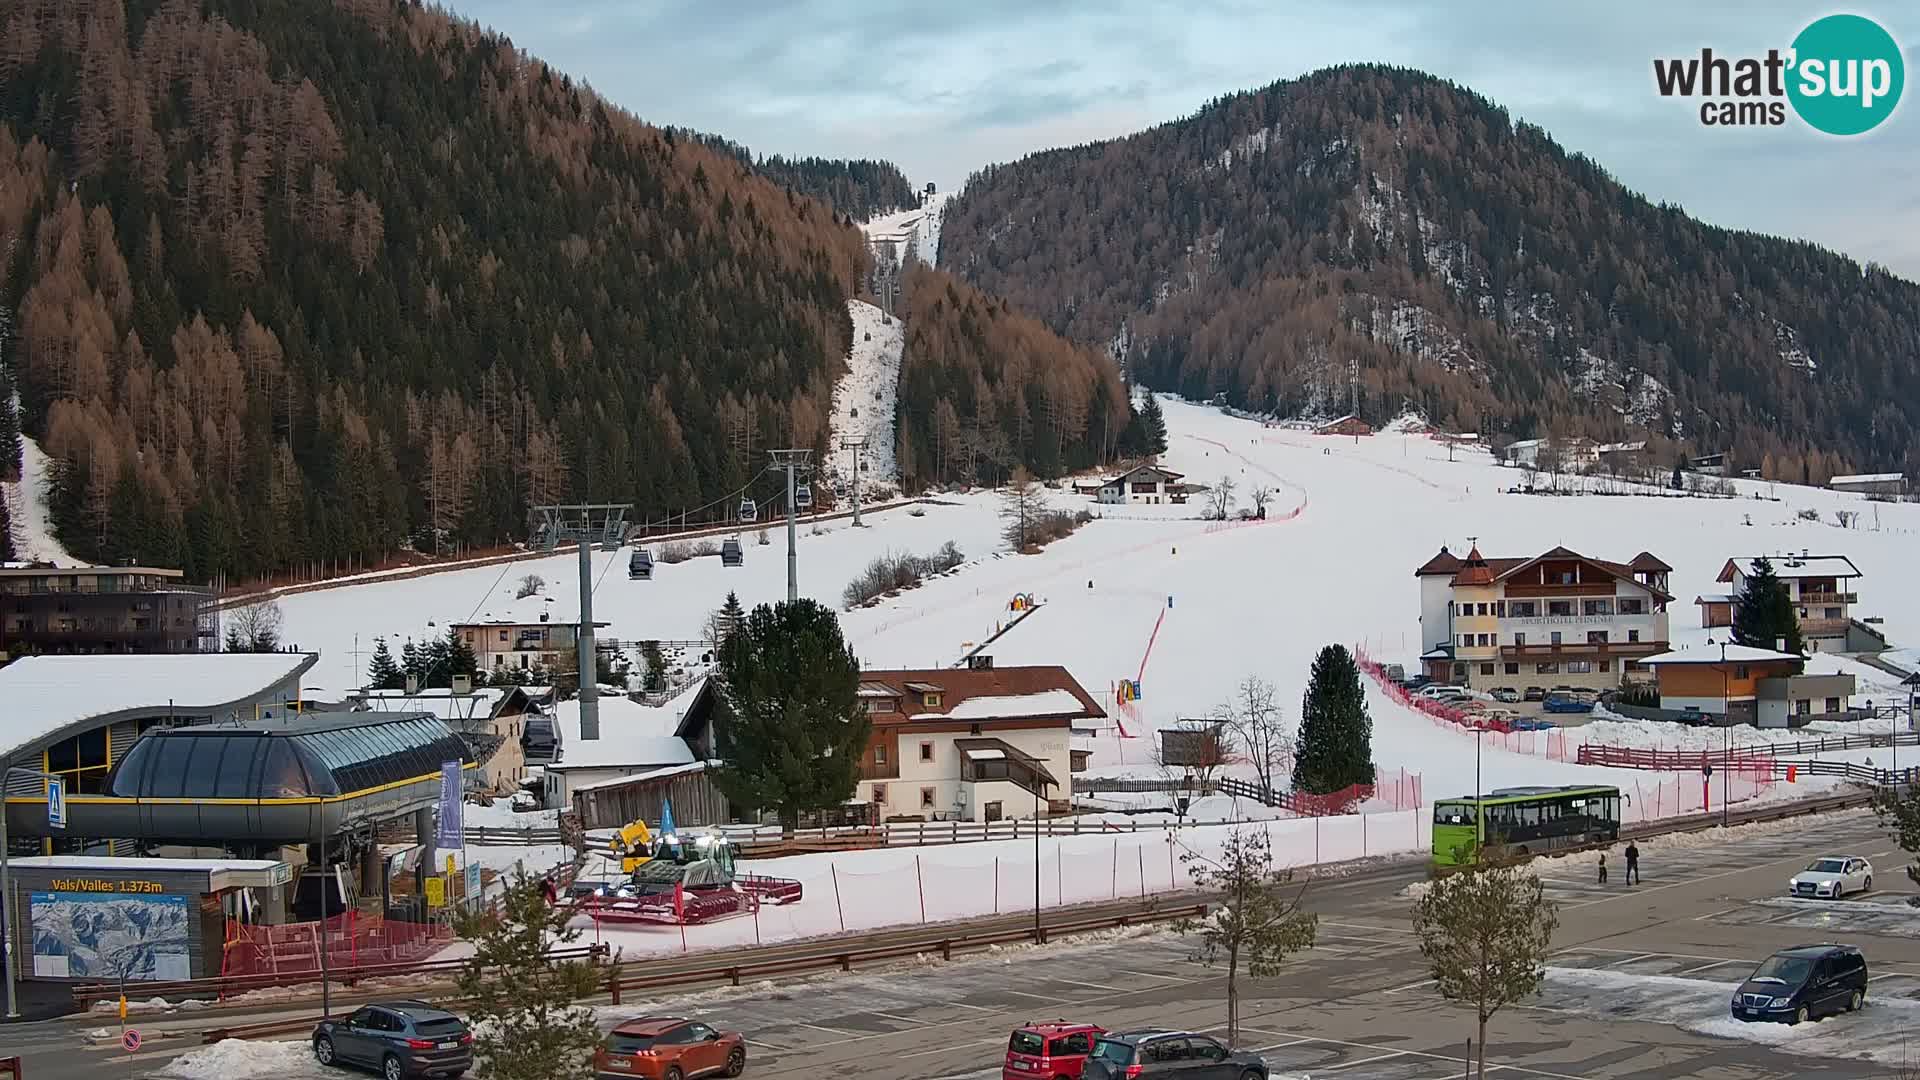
634 845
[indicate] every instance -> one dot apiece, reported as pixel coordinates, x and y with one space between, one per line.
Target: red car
1050 1050
669 1048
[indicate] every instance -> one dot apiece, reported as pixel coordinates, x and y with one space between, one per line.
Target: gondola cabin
640 565
803 497
731 553
749 510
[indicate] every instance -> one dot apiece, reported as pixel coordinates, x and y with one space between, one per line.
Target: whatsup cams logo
1842 75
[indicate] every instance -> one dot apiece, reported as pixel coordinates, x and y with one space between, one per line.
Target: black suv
1182 1054
399 1039
1805 982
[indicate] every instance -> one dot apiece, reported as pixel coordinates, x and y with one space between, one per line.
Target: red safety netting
350 939
1546 742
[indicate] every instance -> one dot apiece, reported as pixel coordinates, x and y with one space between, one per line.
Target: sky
944 89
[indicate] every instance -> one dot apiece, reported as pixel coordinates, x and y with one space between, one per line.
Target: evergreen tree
412 663
1336 733
460 657
1763 613
9 419
6 532
525 1006
1153 428
731 614
655 679
382 672
1679 467
789 726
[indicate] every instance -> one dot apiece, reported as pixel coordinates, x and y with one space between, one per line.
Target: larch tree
1257 921
1486 934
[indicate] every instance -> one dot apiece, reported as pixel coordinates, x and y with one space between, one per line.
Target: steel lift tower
584 524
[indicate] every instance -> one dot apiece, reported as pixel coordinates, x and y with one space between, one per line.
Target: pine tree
1153 428
1336 733
460 657
382 672
1763 613
524 1005
6 532
655 680
789 726
731 614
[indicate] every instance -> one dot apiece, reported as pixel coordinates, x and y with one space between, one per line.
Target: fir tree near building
1763 613
382 672
789 725
1336 732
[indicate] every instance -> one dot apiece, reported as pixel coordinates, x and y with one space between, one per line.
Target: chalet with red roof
1559 618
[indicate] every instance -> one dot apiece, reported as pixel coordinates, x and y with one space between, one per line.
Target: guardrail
1776 749
1746 761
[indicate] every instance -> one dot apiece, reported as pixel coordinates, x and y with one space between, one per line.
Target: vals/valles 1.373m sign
1843 75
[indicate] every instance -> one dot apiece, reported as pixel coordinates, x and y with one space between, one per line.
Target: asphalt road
1638 988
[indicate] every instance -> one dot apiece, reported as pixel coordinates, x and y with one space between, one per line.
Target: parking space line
776 1047
821 1027
1363 1061
1424 1054
1715 914
1024 994
1152 975
948 1049
1706 967
1411 986
891 1016
1631 959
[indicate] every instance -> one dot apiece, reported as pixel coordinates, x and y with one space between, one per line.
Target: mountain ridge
1467 264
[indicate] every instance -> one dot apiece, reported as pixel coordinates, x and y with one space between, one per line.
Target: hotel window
880 753
1548 668
1486 669
931 701
1579 667
1632 605
1559 607
1524 609
879 794
1483 640
926 751
1633 635
1513 669
1596 637
1606 665
503 636
1483 609
1519 639
926 797
1500 608
1740 671
1596 607
1466 641
1556 637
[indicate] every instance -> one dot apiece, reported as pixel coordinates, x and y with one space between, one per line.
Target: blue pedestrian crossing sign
56 803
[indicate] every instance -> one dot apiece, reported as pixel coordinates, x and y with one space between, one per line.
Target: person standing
1633 863
1603 868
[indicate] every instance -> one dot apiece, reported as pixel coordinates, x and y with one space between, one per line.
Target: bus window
1453 813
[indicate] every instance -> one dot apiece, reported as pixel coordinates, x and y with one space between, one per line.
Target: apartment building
1821 587
104 609
1555 619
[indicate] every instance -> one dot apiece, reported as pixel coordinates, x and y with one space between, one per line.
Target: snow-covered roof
1793 566
630 734
1524 444
49 694
647 774
1711 654
1622 447
442 702
1868 478
96 862
1043 703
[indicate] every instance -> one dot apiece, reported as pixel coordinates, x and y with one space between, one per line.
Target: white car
1832 876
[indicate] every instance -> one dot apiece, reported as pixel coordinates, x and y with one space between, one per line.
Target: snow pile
502 815
1410 422
243 1059
864 400
630 734
33 538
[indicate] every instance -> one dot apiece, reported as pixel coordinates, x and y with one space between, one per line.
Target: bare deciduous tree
254 628
1021 504
529 585
1192 752
1259 726
1255 921
1261 496
1485 934
1220 498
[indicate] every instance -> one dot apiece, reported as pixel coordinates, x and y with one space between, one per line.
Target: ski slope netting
871 890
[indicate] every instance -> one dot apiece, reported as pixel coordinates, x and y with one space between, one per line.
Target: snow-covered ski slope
1248 599
917 229
865 398
33 537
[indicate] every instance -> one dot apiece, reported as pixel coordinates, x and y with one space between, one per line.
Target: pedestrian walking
1633 863
1603 868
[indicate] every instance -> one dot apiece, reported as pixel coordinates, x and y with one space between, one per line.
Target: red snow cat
687 880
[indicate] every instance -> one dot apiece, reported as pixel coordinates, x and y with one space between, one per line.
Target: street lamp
1479 812
1039 795
6 885
1726 740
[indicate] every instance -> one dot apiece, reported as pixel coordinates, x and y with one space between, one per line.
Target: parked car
669 1048
1396 673
1561 701
1437 689
398 1039
1805 982
1416 682
1834 876
1151 1053
1506 693
1535 693
1053 1050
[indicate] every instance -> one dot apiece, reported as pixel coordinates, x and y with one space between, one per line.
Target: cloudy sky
942 89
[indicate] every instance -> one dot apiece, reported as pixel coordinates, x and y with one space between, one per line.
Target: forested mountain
1469 265
984 387
291 281
861 188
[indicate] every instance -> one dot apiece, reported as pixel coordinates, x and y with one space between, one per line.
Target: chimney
1779 644
463 684
413 685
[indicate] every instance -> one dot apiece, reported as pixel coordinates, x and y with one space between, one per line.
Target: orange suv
1049 1050
669 1048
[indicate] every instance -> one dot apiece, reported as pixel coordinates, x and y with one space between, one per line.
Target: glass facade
227 763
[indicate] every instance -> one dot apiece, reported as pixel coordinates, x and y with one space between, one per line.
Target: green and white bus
1525 820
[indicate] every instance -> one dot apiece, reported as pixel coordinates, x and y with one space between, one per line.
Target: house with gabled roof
1559 618
971 744
1144 484
1820 586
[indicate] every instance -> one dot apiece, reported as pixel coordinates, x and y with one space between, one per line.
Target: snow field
33 538
866 397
